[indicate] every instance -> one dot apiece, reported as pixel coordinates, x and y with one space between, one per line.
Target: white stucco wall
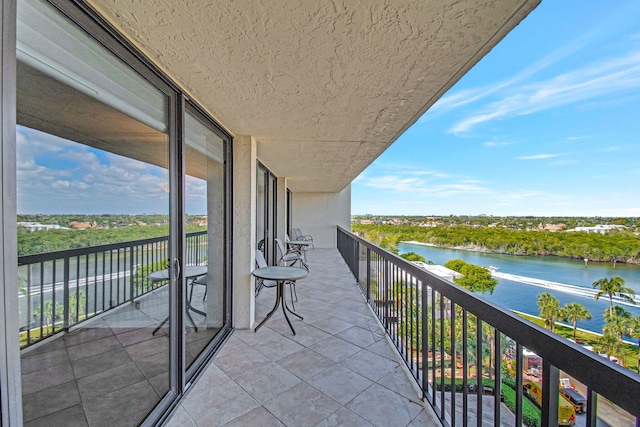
317 214
244 213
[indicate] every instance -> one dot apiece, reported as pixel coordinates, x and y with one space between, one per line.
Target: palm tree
549 309
610 345
573 312
611 287
633 331
618 323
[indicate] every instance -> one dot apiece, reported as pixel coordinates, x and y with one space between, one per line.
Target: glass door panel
93 226
266 213
204 266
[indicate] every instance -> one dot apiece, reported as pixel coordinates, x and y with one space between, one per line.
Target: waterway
566 279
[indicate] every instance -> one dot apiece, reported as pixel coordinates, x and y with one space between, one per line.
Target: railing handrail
614 382
65 253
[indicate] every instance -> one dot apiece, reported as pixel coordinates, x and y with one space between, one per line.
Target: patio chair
202 281
299 236
289 257
261 283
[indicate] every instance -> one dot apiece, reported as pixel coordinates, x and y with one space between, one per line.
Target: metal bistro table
281 274
191 273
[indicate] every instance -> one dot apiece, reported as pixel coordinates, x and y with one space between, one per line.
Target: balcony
339 368
361 356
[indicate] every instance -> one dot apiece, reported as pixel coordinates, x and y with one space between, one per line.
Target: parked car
566 411
575 398
486 389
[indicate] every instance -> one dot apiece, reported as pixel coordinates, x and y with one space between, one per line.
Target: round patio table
280 274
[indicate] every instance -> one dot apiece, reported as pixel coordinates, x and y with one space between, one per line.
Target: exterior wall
317 214
244 230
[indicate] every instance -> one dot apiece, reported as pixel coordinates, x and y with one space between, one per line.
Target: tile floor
110 371
338 369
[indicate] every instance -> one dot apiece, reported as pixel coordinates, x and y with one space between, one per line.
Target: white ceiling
323 86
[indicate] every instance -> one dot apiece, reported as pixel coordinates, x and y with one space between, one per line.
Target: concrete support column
281 206
244 230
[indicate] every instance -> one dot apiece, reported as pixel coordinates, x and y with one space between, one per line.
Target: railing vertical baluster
95 281
408 316
424 332
95 286
368 261
479 370
550 379
42 299
591 413
29 308
132 273
465 368
432 344
519 394
591 417
77 291
497 378
65 324
452 332
53 293
441 381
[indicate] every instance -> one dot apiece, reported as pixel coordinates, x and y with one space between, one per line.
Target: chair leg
292 290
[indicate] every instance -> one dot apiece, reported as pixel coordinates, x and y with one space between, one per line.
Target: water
519 296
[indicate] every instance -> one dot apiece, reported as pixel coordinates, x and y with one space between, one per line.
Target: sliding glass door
123 212
205 267
96 263
266 188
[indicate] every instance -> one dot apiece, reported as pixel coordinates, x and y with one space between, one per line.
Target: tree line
42 241
616 246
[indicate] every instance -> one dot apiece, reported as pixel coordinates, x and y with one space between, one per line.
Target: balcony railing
434 325
61 289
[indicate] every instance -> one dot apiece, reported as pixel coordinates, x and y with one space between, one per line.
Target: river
522 295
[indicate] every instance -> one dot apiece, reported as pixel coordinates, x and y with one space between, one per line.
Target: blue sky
548 123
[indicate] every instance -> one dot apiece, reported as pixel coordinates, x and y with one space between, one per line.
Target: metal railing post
65 323
550 379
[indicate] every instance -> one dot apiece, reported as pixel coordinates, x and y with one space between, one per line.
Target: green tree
634 332
610 345
412 256
617 321
474 277
455 264
49 313
573 312
611 287
549 309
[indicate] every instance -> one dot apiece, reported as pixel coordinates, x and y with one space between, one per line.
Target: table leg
273 310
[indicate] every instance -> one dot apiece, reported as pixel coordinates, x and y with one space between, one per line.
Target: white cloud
497 144
55 175
538 157
608 77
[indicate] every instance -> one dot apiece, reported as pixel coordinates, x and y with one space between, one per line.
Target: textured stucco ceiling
323 86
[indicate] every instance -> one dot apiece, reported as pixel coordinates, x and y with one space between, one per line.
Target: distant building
36 226
601 228
82 225
552 227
